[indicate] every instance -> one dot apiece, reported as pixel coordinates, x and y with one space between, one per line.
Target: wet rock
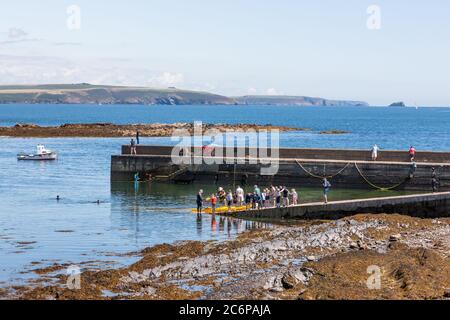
447 293
288 281
274 284
353 245
149 291
395 237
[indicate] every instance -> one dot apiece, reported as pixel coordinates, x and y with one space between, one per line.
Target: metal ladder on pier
171 176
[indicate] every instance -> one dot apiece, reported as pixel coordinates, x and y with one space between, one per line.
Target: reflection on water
35 228
170 205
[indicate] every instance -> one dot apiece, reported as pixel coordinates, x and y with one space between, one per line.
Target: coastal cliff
85 93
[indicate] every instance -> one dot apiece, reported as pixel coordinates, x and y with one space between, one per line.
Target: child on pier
294 197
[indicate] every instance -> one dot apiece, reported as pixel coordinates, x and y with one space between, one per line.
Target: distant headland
85 93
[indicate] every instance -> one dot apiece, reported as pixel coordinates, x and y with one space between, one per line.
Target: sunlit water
34 227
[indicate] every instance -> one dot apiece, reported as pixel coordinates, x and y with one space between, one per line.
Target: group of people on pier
271 197
411 153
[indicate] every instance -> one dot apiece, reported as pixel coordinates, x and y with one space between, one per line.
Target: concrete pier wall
315 154
424 205
383 174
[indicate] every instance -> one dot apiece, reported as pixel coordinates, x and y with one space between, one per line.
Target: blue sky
235 47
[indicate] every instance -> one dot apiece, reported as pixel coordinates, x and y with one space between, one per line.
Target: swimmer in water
57 198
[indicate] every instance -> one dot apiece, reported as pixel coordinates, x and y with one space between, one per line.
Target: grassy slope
95 94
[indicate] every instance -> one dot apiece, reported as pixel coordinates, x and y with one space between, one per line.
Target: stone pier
430 205
296 167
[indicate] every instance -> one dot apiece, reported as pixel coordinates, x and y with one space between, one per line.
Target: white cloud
252 91
272 92
167 79
16 33
38 69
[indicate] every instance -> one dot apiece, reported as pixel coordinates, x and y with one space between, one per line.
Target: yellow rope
322 177
375 186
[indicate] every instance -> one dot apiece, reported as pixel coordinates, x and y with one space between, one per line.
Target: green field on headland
85 93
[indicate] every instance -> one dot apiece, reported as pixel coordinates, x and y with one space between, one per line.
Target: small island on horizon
398 104
85 93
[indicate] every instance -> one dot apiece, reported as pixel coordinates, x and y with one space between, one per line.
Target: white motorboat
41 154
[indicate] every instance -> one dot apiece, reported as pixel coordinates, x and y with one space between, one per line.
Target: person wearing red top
412 153
213 203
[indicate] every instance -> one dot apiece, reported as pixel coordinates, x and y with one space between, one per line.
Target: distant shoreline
109 130
84 93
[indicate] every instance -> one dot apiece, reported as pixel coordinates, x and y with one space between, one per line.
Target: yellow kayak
223 209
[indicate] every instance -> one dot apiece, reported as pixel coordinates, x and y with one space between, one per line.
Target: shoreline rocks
127 130
307 260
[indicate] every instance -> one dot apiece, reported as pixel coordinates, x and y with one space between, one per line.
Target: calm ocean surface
35 228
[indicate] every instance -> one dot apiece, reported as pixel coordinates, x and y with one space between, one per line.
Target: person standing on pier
435 184
257 195
326 188
239 196
294 197
285 194
133 147
412 153
375 149
199 201
213 203
229 200
137 136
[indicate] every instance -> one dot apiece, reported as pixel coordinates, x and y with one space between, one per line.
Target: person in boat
375 149
133 147
199 201
294 197
213 200
326 188
229 200
239 196
412 153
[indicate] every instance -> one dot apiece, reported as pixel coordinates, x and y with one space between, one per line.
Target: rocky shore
127 130
360 257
